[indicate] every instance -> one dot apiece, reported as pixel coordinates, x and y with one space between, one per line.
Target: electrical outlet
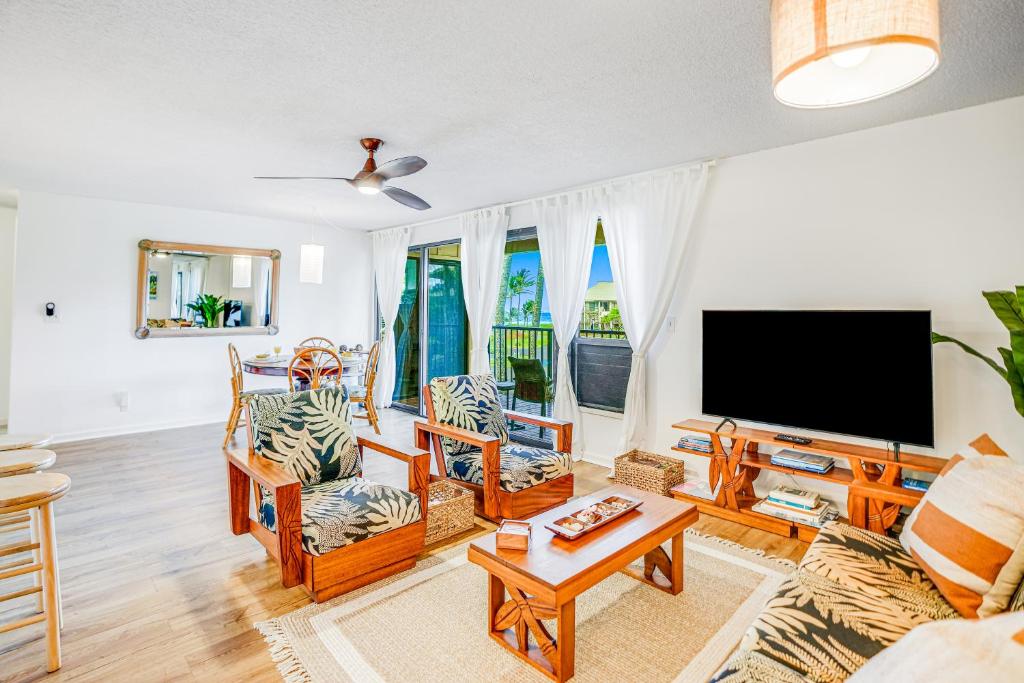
123 400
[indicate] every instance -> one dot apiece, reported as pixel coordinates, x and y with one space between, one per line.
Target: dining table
277 365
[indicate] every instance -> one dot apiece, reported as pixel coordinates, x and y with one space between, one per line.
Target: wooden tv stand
732 472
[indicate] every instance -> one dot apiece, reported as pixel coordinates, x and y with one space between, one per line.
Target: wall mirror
193 290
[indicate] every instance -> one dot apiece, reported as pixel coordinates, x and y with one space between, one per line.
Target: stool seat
25 460
31 490
10 442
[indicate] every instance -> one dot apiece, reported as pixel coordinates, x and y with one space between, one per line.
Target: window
600 356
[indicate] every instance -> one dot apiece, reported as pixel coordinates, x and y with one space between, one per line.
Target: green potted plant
1008 307
209 307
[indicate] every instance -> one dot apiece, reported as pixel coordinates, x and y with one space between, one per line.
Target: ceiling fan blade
289 177
397 168
407 198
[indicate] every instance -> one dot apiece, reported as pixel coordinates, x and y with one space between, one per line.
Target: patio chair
329 529
471 446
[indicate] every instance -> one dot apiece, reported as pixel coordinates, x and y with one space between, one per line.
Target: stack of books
796 505
916 484
806 462
697 443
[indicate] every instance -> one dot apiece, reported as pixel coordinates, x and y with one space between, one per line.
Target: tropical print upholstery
308 433
468 402
521 466
855 593
346 511
877 565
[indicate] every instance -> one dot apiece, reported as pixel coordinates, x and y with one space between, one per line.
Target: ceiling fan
371 179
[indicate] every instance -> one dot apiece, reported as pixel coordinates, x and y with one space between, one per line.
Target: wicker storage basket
449 510
649 471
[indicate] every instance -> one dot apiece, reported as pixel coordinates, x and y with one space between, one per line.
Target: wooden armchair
467 426
329 529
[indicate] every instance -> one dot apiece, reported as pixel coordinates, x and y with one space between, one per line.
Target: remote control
801 440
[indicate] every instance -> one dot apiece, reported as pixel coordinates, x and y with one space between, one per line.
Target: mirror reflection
206 291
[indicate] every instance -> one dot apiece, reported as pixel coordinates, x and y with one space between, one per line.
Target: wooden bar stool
36 491
26 461
10 442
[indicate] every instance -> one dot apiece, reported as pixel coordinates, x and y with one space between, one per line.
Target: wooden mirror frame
144 331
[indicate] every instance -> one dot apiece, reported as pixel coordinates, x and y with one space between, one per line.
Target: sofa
854 594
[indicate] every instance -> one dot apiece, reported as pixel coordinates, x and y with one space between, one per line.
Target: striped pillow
968 531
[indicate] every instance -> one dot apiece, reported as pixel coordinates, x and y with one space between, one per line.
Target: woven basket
649 471
449 510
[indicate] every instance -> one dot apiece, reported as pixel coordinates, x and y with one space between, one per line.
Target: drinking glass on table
277 350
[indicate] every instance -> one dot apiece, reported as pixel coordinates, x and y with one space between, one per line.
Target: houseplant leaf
1013 376
940 338
1007 308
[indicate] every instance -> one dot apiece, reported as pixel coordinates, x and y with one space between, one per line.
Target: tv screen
858 373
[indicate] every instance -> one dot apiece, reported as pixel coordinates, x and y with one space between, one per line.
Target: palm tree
518 285
503 290
530 312
538 294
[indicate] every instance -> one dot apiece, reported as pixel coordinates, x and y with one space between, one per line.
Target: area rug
428 624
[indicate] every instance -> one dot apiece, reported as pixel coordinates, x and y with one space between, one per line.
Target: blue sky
600 268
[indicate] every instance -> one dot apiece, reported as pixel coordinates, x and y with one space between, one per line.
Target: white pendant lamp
832 53
311 263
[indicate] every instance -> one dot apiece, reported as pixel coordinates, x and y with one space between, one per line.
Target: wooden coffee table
543 582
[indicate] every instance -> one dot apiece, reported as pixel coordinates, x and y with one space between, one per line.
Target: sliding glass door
432 331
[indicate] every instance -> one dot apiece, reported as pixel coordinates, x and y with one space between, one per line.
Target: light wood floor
156 587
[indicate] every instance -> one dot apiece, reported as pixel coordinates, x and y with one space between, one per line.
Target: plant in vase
1009 308
209 307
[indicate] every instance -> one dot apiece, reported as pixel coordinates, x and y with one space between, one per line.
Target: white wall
8 220
920 214
82 255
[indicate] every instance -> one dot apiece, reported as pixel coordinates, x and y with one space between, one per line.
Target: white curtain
260 289
566 226
647 221
483 247
390 251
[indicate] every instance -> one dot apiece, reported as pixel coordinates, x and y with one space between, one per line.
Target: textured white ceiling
180 102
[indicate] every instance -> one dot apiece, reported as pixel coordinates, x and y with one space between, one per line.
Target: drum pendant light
832 53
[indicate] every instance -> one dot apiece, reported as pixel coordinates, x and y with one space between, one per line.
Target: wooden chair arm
243 466
561 427
472 438
885 493
255 467
417 459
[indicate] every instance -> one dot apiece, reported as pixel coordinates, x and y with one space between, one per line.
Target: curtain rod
521 202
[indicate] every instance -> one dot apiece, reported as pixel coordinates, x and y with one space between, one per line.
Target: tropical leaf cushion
307 433
521 466
345 511
468 402
876 565
825 630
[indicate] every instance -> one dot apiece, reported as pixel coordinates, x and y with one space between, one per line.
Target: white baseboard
89 435
596 459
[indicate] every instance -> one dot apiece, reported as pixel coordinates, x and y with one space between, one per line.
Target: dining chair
316 343
313 368
239 396
364 395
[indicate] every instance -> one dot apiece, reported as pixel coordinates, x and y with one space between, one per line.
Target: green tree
538 295
530 312
503 291
518 285
612 319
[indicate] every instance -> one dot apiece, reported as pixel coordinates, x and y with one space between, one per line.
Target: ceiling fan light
832 53
369 189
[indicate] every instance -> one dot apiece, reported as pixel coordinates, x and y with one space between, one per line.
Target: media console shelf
732 472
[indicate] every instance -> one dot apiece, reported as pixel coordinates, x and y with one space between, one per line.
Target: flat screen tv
858 373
